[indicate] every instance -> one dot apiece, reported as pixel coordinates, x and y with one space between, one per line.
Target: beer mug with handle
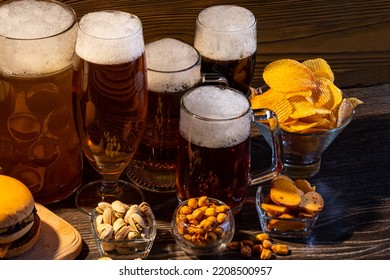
215 145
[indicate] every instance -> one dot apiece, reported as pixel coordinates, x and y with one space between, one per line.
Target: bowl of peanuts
288 207
123 231
203 226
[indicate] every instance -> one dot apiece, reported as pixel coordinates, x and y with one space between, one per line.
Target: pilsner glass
215 145
226 37
38 141
110 101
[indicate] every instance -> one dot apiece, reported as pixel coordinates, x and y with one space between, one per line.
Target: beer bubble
226 32
33 19
173 65
107 37
222 117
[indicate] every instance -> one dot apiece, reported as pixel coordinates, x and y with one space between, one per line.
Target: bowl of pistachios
123 231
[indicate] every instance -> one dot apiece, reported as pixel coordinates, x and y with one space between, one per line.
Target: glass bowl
280 227
205 229
125 237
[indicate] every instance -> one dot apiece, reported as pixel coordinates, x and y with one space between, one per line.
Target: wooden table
353 36
354 181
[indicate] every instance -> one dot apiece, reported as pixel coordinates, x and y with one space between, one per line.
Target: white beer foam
226 32
37 21
173 65
229 110
30 19
110 37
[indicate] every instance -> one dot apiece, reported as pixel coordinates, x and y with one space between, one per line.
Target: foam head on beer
226 32
51 28
110 37
173 65
219 117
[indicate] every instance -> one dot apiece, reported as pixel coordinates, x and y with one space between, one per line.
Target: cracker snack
290 200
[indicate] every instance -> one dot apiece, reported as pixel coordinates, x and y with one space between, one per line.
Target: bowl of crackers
288 208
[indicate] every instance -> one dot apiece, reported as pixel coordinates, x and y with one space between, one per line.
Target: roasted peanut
221 218
266 254
193 203
248 242
267 244
262 236
257 248
203 201
280 249
211 212
235 245
246 251
185 210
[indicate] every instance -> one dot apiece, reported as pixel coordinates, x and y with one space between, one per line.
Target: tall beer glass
215 145
38 140
110 102
226 37
173 68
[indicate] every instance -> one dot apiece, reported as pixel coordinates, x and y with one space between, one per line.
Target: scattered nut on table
263 245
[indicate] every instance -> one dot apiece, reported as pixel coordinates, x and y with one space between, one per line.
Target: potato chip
303 96
304 185
274 101
287 75
355 101
345 110
320 68
303 108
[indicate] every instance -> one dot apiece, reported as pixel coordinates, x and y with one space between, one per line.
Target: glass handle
267 122
214 79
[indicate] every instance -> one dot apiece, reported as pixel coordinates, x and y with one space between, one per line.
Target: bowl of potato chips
288 207
311 110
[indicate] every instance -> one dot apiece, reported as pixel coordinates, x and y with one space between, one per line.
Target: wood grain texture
353 36
353 179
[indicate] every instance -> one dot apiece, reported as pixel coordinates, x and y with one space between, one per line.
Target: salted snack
290 205
262 245
304 96
203 225
117 224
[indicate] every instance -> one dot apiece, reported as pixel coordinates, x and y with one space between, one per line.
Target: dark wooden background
353 36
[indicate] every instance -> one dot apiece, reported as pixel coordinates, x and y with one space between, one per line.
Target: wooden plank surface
353 36
58 240
353 180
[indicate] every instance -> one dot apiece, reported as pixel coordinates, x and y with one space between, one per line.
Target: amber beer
226 37
110 91
38 140
214 147
173 68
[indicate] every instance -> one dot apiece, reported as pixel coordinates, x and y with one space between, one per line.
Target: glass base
88 197
159 178
301 171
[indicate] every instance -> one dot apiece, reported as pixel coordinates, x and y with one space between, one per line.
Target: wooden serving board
58 240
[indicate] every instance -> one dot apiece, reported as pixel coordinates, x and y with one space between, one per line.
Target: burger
19 222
